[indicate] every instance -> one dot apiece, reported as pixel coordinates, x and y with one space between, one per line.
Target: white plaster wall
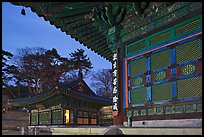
167 123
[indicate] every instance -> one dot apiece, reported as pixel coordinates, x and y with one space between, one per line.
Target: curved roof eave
55 22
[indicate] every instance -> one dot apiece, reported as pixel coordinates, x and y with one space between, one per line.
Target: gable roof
69 90
75 84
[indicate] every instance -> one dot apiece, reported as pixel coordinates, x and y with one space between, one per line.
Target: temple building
156 53
70 104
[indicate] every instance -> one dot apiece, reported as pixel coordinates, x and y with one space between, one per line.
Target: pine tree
80 62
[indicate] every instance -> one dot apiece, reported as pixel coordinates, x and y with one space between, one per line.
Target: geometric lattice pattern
160 38
187 27
161 92
138 96
34 118
188 51
137 66
57 116
160 59
44 117
136 47
190 87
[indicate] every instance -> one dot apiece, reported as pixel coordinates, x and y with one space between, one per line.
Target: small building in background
69 104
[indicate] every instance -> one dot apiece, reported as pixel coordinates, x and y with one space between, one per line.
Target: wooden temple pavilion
155 49
71 104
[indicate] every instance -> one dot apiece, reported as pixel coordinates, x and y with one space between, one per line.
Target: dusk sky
20 31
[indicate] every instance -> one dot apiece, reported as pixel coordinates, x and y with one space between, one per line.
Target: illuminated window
82 117
67 116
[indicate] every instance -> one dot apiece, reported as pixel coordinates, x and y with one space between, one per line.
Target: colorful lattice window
190 87
160 38
136 47
188 51
160 59
137 66
138 96
187 27
161 92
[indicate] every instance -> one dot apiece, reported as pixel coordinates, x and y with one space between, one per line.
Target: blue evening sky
20 31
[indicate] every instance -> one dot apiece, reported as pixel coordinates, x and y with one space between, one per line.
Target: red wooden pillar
118 120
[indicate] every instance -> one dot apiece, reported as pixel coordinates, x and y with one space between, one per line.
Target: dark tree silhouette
102 82
80 62
6 56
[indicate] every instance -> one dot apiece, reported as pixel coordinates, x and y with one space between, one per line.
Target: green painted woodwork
129 113
189 108
162 92
34 118
137 66
183 29
74 12
139 46
160 59
135 112
191 87
198 107
138 96
160 111
45 118
150 111
160 38
188 51
134 19
163 16
169 110
57 117
179 109
136 47
143 112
